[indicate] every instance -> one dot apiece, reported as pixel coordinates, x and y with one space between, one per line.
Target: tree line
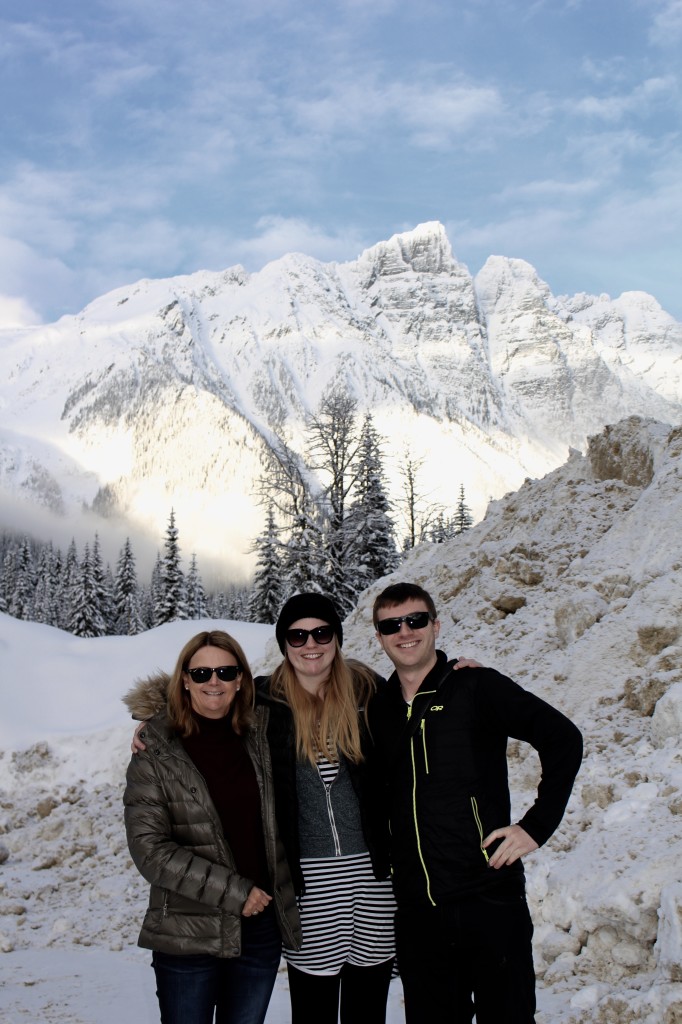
329 526
81 594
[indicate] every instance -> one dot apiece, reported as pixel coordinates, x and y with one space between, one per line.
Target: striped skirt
346 916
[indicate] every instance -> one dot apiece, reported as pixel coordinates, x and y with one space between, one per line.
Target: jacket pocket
479 827
165 902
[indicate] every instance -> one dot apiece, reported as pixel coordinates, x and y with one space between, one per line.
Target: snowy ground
95 986
573 586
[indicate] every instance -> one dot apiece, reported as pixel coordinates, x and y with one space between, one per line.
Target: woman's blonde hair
179 704
327 724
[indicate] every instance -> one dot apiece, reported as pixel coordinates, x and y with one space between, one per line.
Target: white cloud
439 115
666 27
37 281
434 112
550 190
649 94
280 235
16 312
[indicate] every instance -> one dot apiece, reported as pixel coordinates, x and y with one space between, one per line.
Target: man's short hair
398 593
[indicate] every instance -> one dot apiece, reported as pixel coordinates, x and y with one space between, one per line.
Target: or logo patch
436 707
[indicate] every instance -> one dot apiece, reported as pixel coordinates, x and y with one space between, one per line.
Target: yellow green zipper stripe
479 826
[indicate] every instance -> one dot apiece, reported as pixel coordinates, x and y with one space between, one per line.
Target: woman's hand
256 901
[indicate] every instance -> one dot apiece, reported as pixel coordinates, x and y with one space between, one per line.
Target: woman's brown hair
179 705
327 724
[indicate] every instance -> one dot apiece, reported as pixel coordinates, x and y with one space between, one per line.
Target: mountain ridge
170 392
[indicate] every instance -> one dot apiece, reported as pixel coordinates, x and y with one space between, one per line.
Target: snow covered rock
667 718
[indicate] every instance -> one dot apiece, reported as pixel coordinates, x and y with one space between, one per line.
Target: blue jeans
238 989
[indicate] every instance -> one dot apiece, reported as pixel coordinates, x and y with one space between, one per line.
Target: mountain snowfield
572 585
169 393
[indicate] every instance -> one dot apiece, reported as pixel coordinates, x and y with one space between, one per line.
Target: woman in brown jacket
199 813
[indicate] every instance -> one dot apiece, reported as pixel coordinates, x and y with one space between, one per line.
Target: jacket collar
429 683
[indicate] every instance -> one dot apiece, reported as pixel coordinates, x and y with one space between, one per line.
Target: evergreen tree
151 596
217 605
103 587
266 598
374 552
86 612
126 597
171 605
304 559
463 518
8 562
236 603
441 529
195 596
3 591
45 606
21 598
66 587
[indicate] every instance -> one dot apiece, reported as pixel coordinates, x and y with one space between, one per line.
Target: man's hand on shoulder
467 663
517 843
136 744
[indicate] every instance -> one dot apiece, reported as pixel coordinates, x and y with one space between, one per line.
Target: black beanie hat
307 606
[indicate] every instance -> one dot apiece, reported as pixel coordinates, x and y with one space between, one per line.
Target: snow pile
572 586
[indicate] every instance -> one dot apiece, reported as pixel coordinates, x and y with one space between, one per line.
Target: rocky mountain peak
424 250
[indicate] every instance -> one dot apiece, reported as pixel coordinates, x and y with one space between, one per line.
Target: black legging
364 991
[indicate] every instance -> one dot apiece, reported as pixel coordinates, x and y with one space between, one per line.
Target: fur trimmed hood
147 696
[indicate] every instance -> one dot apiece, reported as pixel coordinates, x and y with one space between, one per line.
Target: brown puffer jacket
177 843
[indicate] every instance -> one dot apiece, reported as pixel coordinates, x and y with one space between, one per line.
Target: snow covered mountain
168 393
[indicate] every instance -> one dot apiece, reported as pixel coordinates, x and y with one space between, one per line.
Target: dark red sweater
220 756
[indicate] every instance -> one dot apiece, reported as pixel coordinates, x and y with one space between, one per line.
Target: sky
159 138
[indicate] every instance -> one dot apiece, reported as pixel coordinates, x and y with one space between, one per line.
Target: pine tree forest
329 527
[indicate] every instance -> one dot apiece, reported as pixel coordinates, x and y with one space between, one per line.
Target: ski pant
470 956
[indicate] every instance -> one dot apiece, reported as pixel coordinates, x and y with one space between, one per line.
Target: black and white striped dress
347 916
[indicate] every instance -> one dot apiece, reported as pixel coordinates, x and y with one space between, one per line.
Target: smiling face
213 698
412 651
312 663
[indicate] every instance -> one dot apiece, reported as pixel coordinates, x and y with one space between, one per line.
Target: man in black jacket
463 927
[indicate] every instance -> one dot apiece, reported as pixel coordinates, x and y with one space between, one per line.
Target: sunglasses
417 620
299 637
225 673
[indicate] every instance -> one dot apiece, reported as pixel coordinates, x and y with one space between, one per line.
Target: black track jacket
444 785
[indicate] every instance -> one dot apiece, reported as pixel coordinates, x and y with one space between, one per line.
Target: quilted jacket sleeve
174 839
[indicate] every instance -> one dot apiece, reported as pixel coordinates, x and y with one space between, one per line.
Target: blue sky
148 138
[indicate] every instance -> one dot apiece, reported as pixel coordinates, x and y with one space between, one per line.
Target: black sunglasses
299 637
225 673
417 620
